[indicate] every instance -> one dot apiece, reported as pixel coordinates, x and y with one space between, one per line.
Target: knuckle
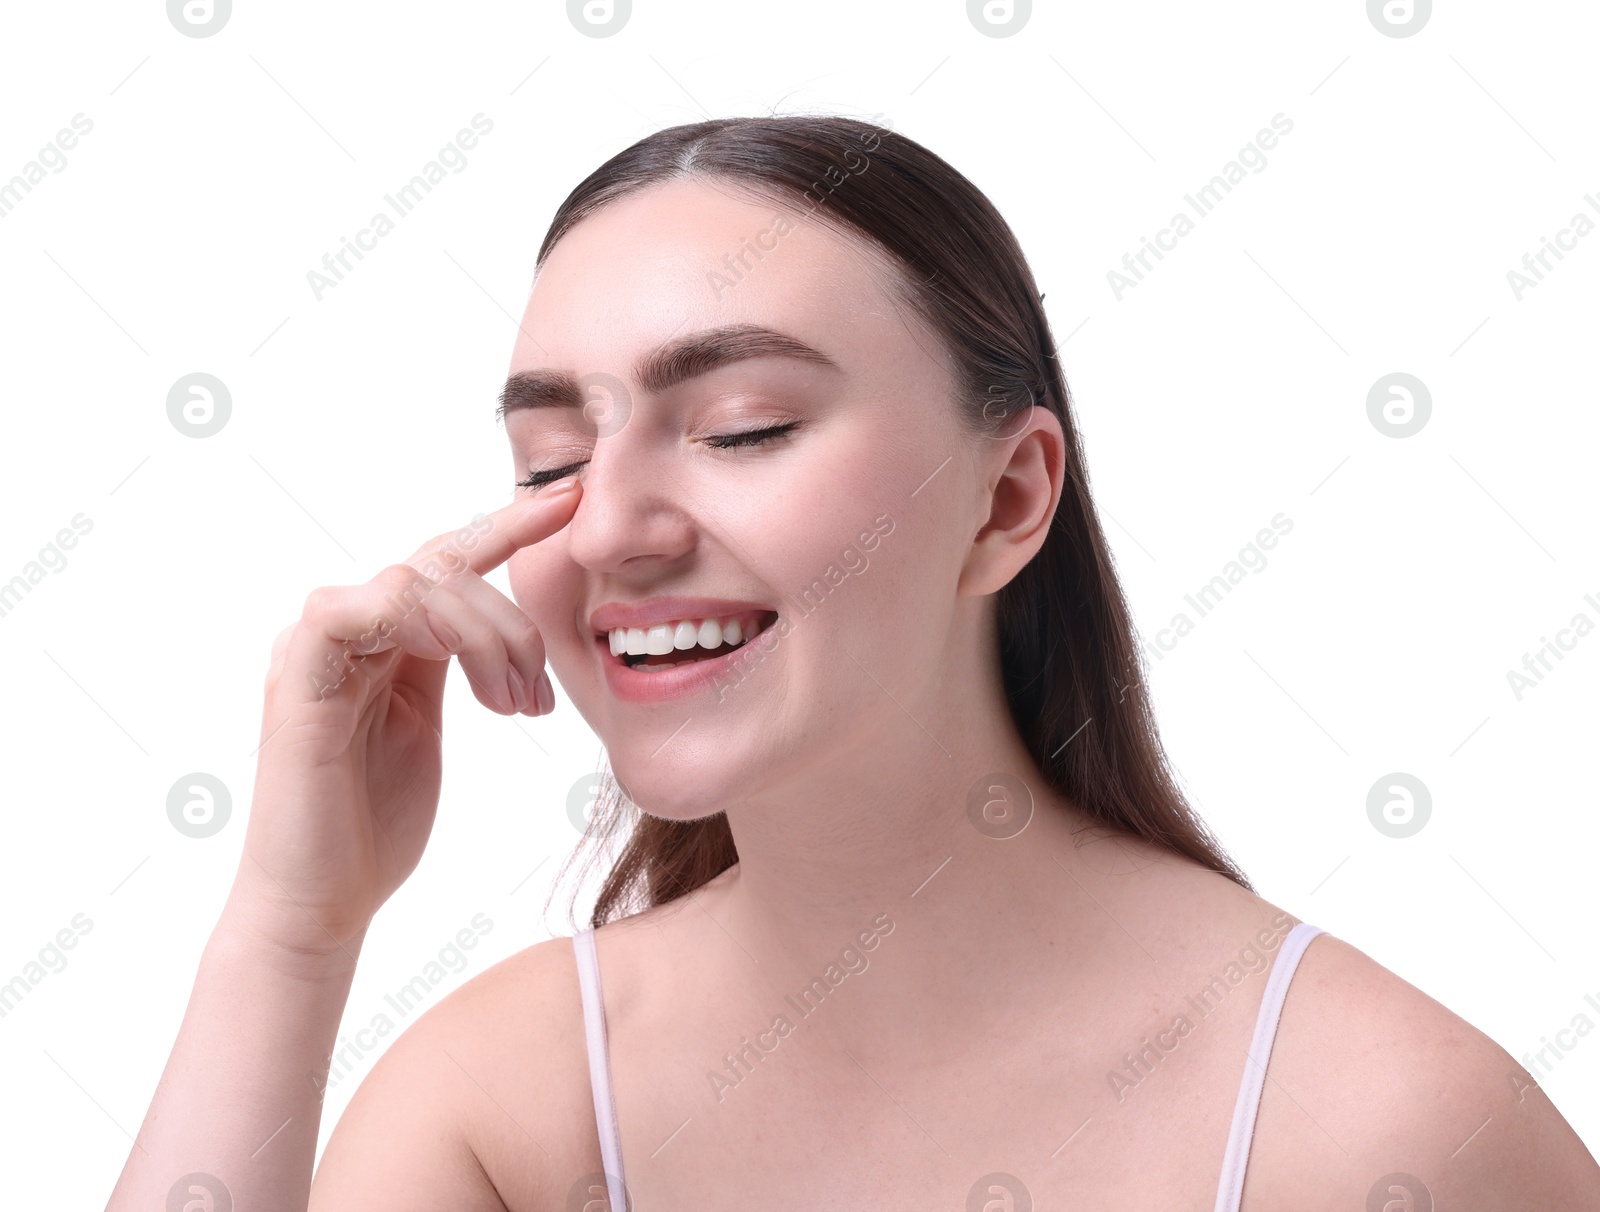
321 601
403 577
525 637
280 645
406 589
280 652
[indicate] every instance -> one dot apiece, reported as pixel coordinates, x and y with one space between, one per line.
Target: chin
669 790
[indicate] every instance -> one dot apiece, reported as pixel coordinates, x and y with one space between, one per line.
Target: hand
348 777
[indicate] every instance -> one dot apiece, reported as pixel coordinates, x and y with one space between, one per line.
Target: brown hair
1070 665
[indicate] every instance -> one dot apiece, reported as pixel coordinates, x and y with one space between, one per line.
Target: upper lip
654 611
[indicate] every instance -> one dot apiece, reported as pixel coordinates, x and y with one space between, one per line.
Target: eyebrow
675 362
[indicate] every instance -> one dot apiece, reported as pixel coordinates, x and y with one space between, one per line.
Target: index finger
490 540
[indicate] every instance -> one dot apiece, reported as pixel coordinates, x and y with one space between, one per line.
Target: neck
931 857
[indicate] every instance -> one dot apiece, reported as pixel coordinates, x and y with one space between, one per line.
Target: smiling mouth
696 654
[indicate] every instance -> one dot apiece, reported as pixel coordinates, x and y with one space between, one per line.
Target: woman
916 916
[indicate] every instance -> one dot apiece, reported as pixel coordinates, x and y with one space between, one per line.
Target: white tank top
1230 1189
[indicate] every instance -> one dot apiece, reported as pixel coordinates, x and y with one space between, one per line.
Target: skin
979 1034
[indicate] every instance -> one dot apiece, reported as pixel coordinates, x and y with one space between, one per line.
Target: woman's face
844 536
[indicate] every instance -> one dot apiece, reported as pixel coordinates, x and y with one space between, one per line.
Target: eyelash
729 441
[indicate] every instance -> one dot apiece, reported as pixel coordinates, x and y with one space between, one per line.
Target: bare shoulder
1374 1085
483 1103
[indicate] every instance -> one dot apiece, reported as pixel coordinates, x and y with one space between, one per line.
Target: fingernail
559 487
444 633
545 694
519 689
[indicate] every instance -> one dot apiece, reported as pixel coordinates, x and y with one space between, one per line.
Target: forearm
240 1097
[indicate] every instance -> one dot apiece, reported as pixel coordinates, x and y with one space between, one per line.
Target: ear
1020 486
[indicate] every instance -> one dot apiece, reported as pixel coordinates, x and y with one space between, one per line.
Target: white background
1227 387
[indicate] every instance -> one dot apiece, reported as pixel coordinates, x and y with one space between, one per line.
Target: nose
632 515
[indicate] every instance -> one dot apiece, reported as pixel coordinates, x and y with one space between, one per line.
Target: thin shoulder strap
594 1030
1231 1189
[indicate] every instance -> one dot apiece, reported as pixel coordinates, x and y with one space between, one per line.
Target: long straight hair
1071 667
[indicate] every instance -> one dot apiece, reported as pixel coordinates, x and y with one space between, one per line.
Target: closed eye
726 441
751 437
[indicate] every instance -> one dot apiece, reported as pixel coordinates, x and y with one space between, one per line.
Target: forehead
692 254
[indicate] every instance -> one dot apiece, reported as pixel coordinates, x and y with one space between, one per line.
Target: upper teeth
665 637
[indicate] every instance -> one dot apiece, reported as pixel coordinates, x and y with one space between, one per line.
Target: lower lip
679 682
